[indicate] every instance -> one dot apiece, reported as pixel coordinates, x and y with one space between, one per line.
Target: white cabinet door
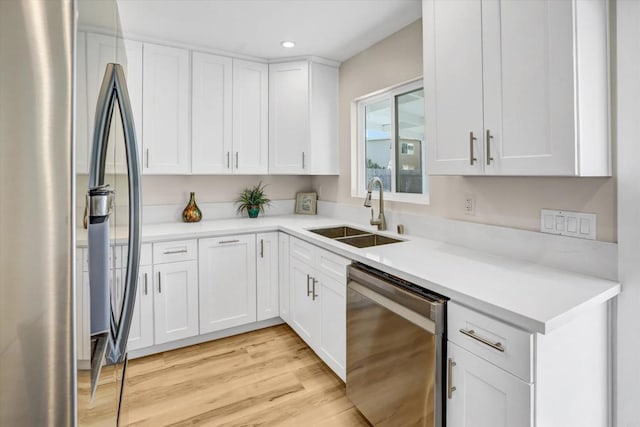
141 332
528 91
516 87
453 87
102 50
175 301
289 117
485 395
283 274
167 149
227 282
211 114
82 117
267 276
333 339
323 119
304 309
250 117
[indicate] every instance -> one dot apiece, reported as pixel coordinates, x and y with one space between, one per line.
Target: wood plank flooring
268 377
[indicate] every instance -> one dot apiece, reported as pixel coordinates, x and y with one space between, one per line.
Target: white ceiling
331 29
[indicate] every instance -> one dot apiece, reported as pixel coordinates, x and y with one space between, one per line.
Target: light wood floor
263 378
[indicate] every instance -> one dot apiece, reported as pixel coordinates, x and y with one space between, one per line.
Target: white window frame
358 147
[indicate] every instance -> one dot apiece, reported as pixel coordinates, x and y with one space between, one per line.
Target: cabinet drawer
332 265
146 255
183 250
302 250
503 345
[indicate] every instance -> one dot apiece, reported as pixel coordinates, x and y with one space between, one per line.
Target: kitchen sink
355 237
368 240
339 232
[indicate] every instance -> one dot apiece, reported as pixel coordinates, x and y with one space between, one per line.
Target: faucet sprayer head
367 200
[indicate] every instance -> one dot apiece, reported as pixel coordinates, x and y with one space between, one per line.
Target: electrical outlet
469 205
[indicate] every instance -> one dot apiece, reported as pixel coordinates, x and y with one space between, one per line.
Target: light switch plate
567 223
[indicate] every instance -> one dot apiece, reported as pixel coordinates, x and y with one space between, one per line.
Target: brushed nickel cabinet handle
261 248
489 138
472 158
313 289
224 242
180 251
236 160
450 387
308 289
147 155
146 291
471 333
228 162
303 160
159 282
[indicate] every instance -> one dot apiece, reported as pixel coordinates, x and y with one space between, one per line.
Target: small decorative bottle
192 213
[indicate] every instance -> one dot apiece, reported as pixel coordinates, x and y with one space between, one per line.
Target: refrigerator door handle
114 89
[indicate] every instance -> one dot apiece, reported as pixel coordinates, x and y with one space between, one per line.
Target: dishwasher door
394 357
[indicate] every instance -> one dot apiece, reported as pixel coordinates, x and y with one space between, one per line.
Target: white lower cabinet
283 275
141 332
501 375
175 301
333 320
305 312
227 282
267 296
317 302
485 395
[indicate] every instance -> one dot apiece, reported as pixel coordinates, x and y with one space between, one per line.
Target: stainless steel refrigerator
41 197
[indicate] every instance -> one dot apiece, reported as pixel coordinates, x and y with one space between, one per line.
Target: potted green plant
252 200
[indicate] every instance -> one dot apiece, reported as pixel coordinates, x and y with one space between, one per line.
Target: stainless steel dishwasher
395 349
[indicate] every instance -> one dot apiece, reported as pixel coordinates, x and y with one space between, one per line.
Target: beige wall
505 201
169 189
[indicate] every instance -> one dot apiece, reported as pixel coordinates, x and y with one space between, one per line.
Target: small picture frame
307 203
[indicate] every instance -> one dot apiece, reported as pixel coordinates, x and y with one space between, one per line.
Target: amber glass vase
192 212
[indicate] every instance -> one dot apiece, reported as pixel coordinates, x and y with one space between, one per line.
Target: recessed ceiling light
287 44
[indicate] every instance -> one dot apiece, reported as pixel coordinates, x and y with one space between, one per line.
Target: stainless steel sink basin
355 237
338 232
368 240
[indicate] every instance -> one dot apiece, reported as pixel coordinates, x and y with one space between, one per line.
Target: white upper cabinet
167 148
250 154
100 51
211 118
453 85
516 88
303 110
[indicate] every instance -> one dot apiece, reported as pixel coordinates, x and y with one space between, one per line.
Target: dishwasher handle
430 306
409 315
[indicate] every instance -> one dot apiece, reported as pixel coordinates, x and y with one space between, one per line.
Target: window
389 130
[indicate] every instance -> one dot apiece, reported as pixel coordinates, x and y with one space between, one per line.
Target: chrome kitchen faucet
380 222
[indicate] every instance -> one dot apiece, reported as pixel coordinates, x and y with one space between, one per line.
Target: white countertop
528 295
